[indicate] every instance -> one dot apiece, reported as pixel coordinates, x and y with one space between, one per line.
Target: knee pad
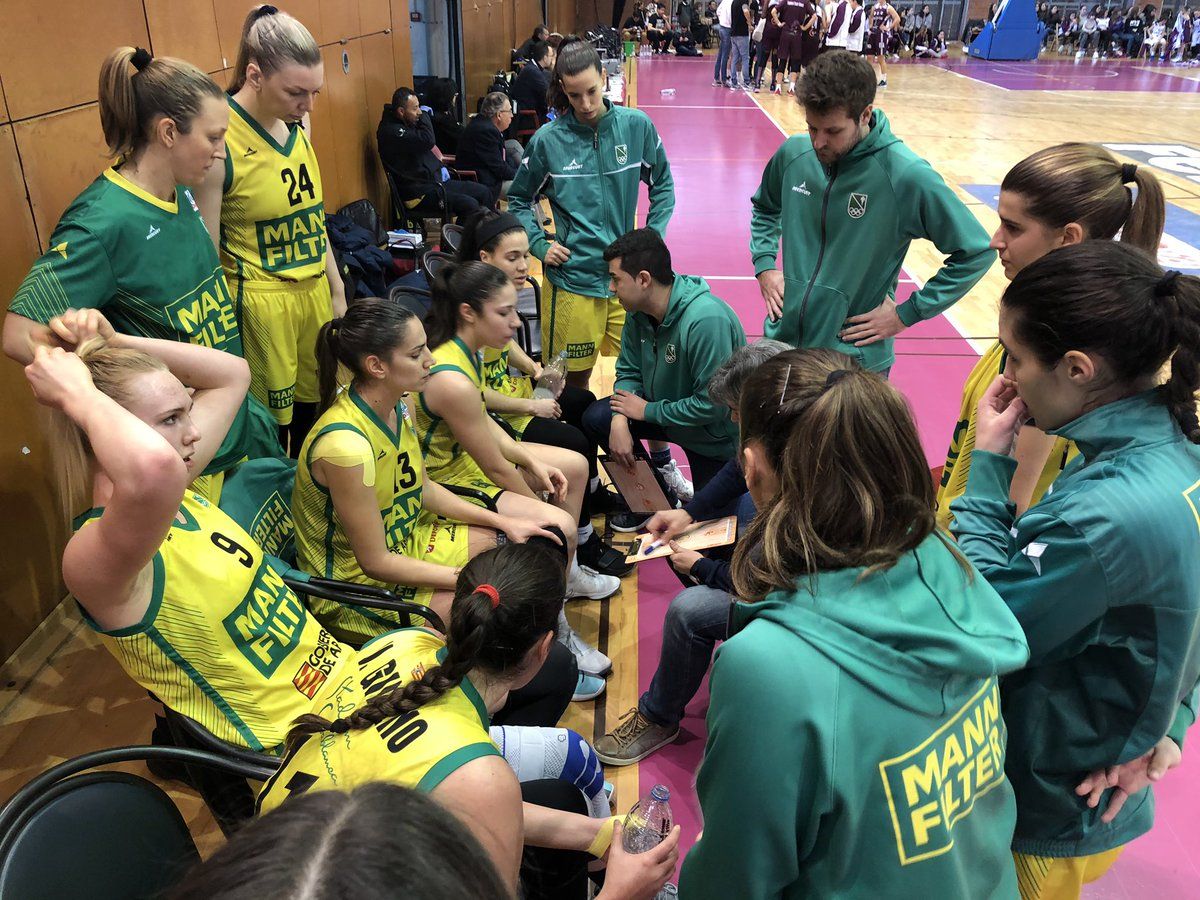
558 753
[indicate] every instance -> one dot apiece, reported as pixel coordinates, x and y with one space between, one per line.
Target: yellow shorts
1062 878
433 540
586 327
280 322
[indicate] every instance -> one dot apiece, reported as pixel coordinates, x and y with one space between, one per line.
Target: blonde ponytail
271 39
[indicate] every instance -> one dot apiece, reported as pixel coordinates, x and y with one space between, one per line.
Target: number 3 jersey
273 210
224 640
350 434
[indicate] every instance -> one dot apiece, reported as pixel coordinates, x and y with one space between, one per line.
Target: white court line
976 80
729 277
686 106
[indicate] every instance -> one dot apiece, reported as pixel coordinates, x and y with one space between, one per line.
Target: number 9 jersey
347 435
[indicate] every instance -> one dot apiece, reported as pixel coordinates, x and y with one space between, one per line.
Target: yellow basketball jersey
497 377
225 641
418 749
962 443
440 448
273 210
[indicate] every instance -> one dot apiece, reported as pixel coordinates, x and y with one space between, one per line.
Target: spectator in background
725 36
1089 31
684 16
1103 32
658 32
936 48
923 26
1156 40
406 147
739 42
525 51
1068 33
443 104
484 148
1053 20
1132 34
532 87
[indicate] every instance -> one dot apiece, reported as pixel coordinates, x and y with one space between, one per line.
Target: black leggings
543 701
567 433
554 874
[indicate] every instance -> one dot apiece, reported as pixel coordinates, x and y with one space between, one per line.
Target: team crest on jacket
671 353
857 207
622 154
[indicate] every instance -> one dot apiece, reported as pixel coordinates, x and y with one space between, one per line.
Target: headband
1166 284
141 58
488 591
493 228
1128 173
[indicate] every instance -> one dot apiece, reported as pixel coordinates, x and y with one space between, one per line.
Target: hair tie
339 726
488 591
834 377
141 58
1166 284
263 11
1128 173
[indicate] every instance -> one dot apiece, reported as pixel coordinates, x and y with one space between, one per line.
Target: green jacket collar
605 123
879 137
1138 421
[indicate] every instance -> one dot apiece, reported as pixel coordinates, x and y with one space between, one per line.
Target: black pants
543 701
567 434
554 874
462 199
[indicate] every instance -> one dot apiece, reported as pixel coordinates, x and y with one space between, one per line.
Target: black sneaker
605 501
629 522
606 560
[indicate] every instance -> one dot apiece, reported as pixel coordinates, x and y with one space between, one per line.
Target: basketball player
884 21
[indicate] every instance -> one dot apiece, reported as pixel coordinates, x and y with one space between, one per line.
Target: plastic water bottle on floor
667 92
553 379
649 822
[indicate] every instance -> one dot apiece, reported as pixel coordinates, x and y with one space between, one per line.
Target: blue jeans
739 59
720 72
697 618
597 420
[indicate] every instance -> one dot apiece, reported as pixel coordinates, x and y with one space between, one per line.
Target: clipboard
640 488
701 536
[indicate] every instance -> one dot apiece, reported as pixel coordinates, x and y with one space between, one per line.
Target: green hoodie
1104 576
855 743
848 230
591 177
670 365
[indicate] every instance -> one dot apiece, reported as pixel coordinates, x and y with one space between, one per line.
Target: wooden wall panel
401 42
187 29
527 15
379 71
483 55
339 21
77 35
374 15
31 528
61 153
347 111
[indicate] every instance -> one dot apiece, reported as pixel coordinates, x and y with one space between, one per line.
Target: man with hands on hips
854 197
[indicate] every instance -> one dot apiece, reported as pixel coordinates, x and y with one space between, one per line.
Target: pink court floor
718 142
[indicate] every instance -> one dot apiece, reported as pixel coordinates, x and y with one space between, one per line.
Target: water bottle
667 92
649 822
553 379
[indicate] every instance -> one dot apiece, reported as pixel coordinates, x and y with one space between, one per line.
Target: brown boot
634 739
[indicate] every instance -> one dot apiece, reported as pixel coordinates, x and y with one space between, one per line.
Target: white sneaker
590 660
676 482
1096 54
584 581
1079 54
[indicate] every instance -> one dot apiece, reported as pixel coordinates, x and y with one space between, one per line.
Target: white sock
585 532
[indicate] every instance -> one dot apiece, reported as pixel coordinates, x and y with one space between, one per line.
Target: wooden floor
62 694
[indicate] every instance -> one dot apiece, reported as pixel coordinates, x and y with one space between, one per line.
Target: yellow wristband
603 839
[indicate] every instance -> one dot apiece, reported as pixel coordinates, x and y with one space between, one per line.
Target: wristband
599 846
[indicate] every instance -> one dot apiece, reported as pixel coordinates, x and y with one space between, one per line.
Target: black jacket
407 152
481 148
531 88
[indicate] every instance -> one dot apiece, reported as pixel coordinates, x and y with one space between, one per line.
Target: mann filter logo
294 240
936 784
857 207
272 528
206 315
622 154
267 624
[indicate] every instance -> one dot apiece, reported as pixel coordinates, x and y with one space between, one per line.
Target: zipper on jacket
820 255
600 173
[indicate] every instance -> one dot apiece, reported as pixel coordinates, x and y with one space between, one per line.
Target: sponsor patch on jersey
267 624
936 783
671 355
573 166
857 206
622 154
309 680
802 188
293 240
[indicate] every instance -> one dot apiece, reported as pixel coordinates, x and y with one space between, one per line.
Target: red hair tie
489 591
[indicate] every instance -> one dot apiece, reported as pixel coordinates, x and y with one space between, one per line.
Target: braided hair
493 636
1113 299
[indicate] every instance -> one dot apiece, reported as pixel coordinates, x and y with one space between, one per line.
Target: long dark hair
1084 183
471 282
1113 299
575 55
854 484
530 582
379 840
371 327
